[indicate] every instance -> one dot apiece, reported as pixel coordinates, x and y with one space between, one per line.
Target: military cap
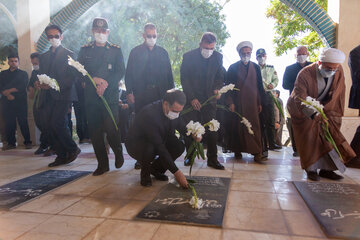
260 51
100 23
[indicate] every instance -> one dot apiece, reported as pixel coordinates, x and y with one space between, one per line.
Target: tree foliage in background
8 39
180 25
292 30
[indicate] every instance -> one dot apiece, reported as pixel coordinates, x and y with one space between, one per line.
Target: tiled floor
262 203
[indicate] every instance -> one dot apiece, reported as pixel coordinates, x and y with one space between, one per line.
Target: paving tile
182 232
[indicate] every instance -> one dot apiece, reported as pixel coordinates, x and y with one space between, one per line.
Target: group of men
151 138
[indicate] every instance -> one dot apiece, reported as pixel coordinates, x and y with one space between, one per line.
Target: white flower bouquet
319 109
51 82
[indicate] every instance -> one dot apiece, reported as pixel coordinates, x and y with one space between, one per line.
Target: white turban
244 44
332 55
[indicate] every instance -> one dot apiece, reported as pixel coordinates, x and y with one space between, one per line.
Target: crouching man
151 139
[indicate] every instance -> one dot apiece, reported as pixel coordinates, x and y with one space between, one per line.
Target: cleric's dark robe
247 101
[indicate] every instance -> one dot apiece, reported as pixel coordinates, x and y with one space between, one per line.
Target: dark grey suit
56 104
199 78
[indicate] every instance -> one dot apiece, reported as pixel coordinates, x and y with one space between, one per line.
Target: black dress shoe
119 160
238 155
330 175
137 165
49 152
146 181
275 147
353 163
58 161
8 147
28 146
215 164
187 162
73 155
100 171
159 176
296 154
40 150
312 175
259 158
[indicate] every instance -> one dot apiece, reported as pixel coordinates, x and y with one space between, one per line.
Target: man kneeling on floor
151 139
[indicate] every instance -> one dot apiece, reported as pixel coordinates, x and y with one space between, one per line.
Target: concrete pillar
32 18
347 14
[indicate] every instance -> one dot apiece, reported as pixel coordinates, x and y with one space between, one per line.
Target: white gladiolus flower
313 104
77 65
199 203
214 125
248 125
195 128
52 83
226 88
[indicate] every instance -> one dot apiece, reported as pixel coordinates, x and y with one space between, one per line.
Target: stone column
347 14
32 18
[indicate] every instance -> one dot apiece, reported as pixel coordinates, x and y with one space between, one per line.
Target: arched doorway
308 9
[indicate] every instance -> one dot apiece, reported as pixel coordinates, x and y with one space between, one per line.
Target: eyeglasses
150 36
53 36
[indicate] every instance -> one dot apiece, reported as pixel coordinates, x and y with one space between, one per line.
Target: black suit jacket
190 72
354 64
151 125
56 66
138 58
290 75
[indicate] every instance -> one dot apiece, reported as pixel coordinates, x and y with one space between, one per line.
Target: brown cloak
308 132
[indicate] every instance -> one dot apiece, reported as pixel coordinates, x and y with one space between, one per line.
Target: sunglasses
150 36
53 36
100 30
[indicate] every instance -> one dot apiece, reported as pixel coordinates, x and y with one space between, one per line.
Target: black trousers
205 115
58 128
100 125
145 152
16 111
268 121
124 122
40 119
291 133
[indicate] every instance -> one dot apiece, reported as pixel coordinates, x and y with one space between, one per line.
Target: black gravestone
336 206
12 194
172 203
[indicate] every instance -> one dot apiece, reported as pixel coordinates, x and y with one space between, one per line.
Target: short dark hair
34 55
13 55
149 26
175 95
277 92
53 26
208 38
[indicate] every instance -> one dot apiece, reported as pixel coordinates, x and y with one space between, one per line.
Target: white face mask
261 60
150 42
206 53
173 115
245 59
301 58
100 38
55 42
36 67
326 73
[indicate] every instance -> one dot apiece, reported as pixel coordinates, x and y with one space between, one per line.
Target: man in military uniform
105 63
270 81
148 72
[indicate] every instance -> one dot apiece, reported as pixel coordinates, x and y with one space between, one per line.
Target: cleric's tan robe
308 133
